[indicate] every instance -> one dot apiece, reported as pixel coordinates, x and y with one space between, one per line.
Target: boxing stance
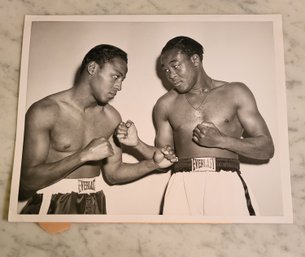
69 140
204 121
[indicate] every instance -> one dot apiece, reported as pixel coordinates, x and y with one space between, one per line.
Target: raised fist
127 133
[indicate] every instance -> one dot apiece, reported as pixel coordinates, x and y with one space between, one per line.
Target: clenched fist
127 133
207 134
97 149
165 157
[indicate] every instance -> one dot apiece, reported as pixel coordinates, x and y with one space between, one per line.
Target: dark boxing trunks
69 196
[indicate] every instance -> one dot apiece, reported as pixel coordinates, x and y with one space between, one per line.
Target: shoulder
112 113
50 104
165 104
167 99
241 94
234 89
43 112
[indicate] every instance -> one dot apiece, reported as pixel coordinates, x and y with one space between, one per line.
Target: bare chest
74 131
187 114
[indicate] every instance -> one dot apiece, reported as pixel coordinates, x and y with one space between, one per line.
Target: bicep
251 120
36 142
164 131
112 163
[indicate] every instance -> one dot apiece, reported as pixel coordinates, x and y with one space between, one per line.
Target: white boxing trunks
208 186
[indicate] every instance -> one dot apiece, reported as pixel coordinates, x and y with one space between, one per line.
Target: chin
181 90
103 102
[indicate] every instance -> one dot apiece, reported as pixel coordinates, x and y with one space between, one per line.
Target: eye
176 66
115 76
166 70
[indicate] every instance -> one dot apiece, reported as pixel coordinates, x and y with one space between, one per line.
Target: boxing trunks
69 196
208 186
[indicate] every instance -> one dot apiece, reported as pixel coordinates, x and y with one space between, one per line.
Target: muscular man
204 120
69 139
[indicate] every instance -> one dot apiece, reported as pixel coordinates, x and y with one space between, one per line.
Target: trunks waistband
79 185
206 164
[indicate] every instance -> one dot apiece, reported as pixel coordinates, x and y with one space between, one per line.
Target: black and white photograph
152 119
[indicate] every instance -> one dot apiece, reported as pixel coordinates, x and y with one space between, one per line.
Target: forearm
146 150
128 172
259 147
43 175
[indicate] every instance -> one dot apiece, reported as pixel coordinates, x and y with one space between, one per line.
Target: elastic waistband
79 185
206 164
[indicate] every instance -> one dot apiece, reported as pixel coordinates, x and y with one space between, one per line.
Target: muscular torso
218 108
73 129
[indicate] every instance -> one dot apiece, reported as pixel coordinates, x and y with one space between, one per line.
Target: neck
204 84
82 97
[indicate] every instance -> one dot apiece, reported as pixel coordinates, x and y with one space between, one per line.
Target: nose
171 74
118 85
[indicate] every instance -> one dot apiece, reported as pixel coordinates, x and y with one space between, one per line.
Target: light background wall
234 51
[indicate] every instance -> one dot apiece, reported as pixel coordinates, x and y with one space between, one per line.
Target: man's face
179 69
108 79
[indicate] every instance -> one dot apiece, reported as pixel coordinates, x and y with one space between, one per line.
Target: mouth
112 94
176 83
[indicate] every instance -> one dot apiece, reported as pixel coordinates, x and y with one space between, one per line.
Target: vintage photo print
203 138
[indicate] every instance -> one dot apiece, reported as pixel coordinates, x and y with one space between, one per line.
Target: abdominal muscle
88 170
185 147
85 171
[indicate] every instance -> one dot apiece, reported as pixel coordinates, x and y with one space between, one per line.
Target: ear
92 67
195 59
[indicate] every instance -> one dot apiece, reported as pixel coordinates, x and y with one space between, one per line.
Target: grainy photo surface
175 119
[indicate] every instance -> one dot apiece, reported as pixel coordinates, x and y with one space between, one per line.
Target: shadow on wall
161 75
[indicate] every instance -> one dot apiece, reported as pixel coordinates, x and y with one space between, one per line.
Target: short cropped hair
103 53
186 45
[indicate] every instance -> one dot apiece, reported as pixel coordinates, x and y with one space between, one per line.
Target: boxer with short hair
69 139
204 120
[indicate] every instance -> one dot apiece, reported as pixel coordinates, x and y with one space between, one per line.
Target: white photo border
281 126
